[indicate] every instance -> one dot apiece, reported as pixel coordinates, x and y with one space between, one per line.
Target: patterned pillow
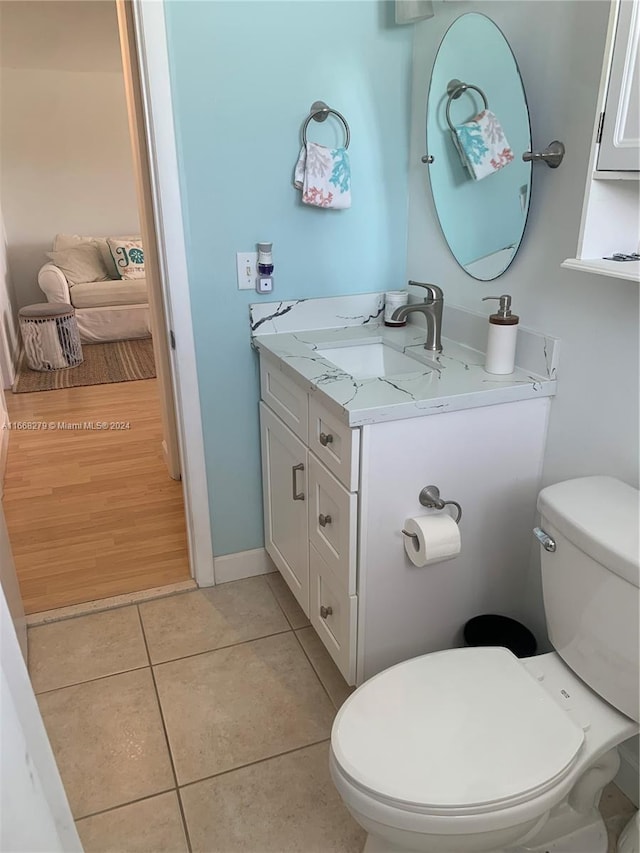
128 256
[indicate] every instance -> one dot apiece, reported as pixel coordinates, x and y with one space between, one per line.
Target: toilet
476 751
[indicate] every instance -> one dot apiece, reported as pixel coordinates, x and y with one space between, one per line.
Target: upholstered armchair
83 272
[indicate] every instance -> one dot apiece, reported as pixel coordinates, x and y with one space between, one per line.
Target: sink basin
365 361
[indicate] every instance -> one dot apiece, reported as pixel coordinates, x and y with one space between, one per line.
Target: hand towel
482 145
324 176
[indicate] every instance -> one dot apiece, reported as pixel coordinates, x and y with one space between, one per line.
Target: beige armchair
107 308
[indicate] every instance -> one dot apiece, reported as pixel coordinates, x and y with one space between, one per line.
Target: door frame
34 805
152 61
146 209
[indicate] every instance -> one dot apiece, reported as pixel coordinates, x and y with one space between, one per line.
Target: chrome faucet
432 310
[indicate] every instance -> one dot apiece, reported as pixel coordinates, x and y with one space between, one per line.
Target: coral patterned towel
482 145
324 176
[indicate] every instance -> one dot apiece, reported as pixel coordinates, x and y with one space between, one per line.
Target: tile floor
197 722
201 722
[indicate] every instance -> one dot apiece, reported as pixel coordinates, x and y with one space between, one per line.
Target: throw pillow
81 263
67 241
128 256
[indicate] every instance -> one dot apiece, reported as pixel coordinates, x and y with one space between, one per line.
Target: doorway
98 511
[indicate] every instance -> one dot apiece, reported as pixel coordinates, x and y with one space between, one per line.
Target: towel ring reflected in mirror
454 90
319 112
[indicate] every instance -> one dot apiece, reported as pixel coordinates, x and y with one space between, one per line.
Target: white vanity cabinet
284 486
309 481
336 499
611 210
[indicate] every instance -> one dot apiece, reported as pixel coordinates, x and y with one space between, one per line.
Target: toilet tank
591 583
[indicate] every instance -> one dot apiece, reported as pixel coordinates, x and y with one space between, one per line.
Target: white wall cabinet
611 210
341 549
620 133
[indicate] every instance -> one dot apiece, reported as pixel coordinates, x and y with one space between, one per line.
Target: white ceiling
62 35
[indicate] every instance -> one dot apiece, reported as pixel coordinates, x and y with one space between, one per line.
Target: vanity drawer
285 398
335 444
334 614
333 521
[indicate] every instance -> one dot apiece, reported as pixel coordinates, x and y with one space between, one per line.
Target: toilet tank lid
601 516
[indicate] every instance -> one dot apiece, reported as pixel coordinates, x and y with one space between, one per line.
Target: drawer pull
324 520
325 438
325 611
297 496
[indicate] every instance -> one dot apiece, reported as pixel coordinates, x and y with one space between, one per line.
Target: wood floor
91 512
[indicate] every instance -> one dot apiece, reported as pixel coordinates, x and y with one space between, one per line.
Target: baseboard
628 778
243 564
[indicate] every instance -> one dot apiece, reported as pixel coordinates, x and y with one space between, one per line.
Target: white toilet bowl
472 750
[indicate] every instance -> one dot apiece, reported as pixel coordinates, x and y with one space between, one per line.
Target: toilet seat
458 732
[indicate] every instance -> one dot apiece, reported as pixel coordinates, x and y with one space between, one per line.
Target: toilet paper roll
438 539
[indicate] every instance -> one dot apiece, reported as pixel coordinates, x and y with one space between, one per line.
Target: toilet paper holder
430 497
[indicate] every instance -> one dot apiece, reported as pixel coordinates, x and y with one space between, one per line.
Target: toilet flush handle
544 539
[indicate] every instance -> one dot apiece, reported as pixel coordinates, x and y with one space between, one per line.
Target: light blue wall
244 75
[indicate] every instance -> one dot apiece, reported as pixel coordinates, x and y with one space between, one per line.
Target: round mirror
480 184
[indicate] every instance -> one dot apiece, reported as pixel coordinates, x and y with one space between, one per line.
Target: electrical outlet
265 284
246 264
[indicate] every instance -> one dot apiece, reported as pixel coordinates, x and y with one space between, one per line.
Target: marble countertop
450 381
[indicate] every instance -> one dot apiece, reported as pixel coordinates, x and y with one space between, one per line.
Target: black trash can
493 630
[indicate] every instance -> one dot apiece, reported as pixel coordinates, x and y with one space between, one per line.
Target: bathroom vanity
356 419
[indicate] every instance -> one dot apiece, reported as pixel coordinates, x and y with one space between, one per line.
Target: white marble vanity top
452 380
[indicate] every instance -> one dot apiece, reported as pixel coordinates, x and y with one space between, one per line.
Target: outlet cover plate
246 265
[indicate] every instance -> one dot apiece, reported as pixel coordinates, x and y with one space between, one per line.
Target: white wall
66 158
594 417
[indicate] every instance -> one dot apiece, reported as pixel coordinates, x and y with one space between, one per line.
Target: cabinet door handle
297 496
324 520
325 438
325 611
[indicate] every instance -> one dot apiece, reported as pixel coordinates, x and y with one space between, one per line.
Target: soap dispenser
501 342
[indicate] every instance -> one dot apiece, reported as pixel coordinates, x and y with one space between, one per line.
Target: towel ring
454 90
319 112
